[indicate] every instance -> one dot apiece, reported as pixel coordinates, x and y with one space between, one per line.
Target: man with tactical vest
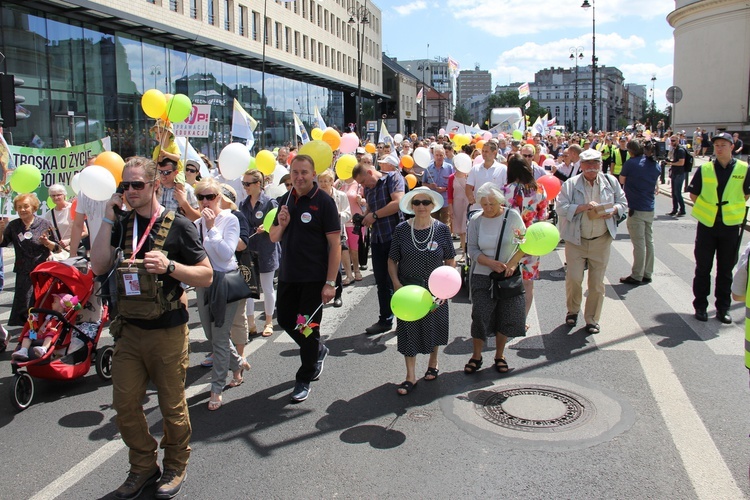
153 250
719 190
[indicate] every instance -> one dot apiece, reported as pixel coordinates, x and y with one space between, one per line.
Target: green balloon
411 303
50 203
251 165
25 179
268 219
517 135
541 238
179 108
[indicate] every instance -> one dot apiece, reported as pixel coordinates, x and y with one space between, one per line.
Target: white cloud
665 46
408 8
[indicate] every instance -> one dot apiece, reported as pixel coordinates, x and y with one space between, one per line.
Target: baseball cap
590 155
724 135
390 160
360 151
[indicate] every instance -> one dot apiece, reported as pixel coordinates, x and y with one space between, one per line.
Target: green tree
509 99
461 114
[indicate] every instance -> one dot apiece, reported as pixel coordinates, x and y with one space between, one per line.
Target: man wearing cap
719 190
176 196
436 178
383 191
388 163
588 204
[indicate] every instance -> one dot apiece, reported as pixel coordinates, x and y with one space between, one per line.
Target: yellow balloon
316 134
154 103
320 152
344 166
265 162
332 138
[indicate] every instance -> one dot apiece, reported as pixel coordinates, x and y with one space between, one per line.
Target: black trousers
293 299
720 241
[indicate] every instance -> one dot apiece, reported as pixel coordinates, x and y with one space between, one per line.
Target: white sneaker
20 355
39 351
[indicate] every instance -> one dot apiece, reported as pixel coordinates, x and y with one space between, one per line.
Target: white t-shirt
479 174
220 242
63 220
94 212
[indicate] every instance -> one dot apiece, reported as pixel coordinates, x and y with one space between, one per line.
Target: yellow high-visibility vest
619 160
732 200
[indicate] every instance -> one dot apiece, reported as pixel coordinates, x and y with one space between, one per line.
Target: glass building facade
82 82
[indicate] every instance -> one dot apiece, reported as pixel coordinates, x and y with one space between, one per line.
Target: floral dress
532 205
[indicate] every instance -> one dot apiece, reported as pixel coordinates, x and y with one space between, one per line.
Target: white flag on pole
319 119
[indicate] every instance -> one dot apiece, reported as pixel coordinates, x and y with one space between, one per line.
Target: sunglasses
191 170
209 197
528 156
248 184
426 203
136 185
165 172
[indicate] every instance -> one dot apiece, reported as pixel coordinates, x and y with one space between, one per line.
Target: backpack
689 159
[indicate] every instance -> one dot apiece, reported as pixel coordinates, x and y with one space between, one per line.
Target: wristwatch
375 215
331 283
170 267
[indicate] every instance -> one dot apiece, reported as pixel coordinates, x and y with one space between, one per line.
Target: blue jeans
677 199
380 253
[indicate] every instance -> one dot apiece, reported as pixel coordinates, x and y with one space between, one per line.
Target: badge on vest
132 285
305 217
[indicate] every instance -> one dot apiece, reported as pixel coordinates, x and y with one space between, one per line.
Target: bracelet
108 221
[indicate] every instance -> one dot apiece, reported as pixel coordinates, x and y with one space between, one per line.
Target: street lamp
585 6
576 53
653 83
155 72
424 67
361 16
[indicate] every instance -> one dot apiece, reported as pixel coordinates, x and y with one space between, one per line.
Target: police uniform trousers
161 357
720 241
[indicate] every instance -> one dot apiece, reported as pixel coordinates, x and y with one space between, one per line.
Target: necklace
426 242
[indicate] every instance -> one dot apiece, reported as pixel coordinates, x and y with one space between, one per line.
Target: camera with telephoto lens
357 221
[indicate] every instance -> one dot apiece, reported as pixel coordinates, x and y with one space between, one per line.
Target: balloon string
313 314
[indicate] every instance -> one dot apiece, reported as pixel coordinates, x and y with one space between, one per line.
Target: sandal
593 328
501 365
431 372
267 330
357 277
472 366
406 387
346 282
571 319
209 361
236 381
214 404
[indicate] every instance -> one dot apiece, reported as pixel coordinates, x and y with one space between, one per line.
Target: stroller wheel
104 362
22 391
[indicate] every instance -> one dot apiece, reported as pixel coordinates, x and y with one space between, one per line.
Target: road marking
686 249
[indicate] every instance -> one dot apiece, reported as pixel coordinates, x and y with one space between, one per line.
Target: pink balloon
487 136
444 282
478 160
349 143
441 131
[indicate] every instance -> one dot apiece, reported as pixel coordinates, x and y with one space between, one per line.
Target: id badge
132 285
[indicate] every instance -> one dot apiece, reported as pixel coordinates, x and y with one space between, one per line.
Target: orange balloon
164 116
332 138
112 162
407 161
73 205
370 147
480 143
411 180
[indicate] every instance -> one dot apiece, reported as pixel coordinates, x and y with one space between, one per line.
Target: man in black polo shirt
308 227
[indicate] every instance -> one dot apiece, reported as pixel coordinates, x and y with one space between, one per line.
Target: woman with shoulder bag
220 232
498 305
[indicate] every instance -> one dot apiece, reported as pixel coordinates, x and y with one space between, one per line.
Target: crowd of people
191 232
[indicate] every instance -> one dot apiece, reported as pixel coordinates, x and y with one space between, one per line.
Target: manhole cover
533 408
419 415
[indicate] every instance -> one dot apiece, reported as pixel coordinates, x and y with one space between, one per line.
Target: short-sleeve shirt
378 197
497 174
439 176
679 154
722 177
182 245
304 244
267 250
642 173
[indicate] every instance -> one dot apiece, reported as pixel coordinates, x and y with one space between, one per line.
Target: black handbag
245 281
505 286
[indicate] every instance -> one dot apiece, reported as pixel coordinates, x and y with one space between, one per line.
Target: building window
194 5
228 15
211 13
325 20
243 20
296 43
557 110
312 11
585 110
567 95
304 46
320 14
277 32
267 31
173 5
585 95
304 9
557 95
313 44
288 46
549 96
256 25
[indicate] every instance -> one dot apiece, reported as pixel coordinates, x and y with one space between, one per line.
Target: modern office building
86 64
434 72
471 83
712 38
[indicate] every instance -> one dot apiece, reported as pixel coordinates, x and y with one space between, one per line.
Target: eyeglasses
56 195
248 184
191 170
136 185
165 172
209 197
528 156
426 203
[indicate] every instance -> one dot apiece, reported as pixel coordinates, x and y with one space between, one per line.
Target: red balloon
291 156
551 184
542 158
452 135
73 206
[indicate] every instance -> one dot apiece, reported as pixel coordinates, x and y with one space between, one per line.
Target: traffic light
9 99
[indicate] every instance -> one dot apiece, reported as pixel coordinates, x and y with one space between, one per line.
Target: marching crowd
187 231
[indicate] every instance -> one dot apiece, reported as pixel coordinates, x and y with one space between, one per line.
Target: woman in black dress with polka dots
419 246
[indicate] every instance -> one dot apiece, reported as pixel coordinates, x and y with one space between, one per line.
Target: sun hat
405 203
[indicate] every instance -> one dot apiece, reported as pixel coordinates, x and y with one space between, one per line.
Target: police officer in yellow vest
741 293
619 155
719 190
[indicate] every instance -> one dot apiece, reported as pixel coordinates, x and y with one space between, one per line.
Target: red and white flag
419 96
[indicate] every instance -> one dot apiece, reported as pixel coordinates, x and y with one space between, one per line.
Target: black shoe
170 483
629 280
134 484
337 302
363 268
701 315
723 316
681 214
321 360
672 213
378 328
647 280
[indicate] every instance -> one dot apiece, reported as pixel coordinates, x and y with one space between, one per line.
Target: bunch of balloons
413 302
100 180
173 108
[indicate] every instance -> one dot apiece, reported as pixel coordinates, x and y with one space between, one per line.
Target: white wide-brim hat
405 203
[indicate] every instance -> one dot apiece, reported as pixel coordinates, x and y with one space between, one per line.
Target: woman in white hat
419 246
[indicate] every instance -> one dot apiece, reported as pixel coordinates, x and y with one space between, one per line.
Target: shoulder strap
54 221
502 230
159 239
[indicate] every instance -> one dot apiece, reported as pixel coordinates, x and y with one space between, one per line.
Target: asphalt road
655 406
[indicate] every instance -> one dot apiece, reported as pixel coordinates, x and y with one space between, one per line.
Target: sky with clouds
515 38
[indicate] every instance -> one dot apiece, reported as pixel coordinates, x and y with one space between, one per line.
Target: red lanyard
136 249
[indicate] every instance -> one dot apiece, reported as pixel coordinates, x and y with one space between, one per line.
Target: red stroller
62 361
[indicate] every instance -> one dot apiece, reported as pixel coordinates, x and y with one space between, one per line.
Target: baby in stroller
45 330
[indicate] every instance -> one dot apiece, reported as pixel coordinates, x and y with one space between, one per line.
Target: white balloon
398 138
234 160
422 157
97 183
276 191
75 183
462 162
478 160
